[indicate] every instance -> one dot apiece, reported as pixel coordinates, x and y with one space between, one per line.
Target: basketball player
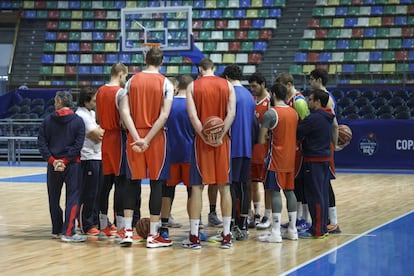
241 150
180 137
315 131
280 123
144 111
208 96
318 79
296 100
91 162
113 149
257 85
60 140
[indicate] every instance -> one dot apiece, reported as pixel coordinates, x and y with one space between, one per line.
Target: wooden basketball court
364 201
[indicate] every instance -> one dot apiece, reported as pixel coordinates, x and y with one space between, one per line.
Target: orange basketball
344 136
143 227
213 126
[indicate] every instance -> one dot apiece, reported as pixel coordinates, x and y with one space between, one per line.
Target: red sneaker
106 232
113 228
92 232
193 242
226 241
154 241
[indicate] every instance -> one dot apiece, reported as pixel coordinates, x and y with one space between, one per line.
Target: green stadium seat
48 47
247 46
305 44
350 56
64 25
46 70
355 44
295 69
394 43
388 56
75 36
228 35
362 68
185 69
330 44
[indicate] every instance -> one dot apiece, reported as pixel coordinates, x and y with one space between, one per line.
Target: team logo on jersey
368 145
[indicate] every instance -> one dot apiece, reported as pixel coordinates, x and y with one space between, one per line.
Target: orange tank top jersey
211 96
109 120
283 140
146 92
298 157
260 151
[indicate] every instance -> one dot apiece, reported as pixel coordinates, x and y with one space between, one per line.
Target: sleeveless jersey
109 119
260 151
283 140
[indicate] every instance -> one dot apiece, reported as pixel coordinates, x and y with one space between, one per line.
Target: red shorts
257 172
179 172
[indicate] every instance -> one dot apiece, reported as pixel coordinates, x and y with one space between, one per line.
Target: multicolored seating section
357 38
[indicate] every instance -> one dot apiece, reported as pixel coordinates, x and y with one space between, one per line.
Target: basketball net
147 46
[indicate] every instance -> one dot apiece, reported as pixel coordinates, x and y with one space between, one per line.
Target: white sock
256 208
333 220
154 228
299 208
194 225
268 213
226 225
305 212
292 220
120 222
128 222
276 222
103 221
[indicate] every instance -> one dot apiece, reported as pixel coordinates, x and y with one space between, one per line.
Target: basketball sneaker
164 233
226 241
213 220
289 234
272 237
113 228
302 225
105 233
264 223
333 229
73 238
193 242
173 223
154 241
127 240
92 232
309 235
120 234
56 236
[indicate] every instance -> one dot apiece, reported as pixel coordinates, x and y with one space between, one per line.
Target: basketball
344 136
143 227
213 126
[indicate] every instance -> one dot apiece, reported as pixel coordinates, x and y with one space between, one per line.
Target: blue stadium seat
125 58
119 4
370 32
74 5
301 57
376 10
341 11
260 46
216 14
348 68
408 43
325 57
50 36
88 25
205 14
84 70
30 14
73 58
375 56
240 13
400 21
73 46
98 36
351 22
410 55
58 82
47 59
275 13
97 70
111 58
258 23
342 44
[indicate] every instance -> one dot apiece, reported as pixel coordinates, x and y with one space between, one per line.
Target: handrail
16 33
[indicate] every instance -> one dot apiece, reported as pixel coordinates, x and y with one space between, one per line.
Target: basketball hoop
147 46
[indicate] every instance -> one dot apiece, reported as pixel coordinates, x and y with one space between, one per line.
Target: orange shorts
280 180
257 172
179 172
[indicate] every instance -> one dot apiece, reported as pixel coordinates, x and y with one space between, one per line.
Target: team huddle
152 128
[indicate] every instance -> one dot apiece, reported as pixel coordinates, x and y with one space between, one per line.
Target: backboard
171 27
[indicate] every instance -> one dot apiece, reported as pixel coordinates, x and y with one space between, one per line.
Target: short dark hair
206 64
320 95
184 81
232 72
257 77
320 74
279 91
154 57
65 98
85 95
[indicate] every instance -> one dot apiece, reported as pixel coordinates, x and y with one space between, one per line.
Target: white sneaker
127 240
73 238
290 234
173 223
274 237
264 237
264 223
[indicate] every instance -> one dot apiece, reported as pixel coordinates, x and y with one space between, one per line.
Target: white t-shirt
90 149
